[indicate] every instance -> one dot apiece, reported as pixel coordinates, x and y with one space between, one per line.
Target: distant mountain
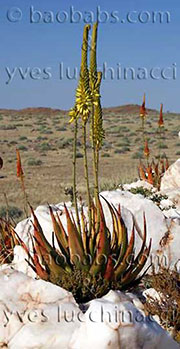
127 108
30 111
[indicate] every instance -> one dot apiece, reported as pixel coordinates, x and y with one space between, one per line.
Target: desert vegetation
51 154
90 261
60 154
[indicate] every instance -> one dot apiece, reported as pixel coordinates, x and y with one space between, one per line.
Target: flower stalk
88 108
74 175
20 175
142 115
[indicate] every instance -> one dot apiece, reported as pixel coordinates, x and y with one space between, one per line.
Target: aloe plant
153 171
7 242
85 257
90 263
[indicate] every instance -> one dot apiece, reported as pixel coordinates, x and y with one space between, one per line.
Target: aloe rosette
98 258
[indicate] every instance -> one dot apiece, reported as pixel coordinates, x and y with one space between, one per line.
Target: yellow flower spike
83 94
93 60
71 120
73 113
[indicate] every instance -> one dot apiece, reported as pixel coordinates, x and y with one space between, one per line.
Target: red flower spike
20 172
143 112
161 121
146 149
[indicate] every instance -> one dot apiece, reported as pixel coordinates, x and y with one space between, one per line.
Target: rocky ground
36 314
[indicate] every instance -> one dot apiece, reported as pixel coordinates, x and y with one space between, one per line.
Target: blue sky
141 46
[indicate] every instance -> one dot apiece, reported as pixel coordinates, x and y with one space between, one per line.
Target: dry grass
45 142
167 284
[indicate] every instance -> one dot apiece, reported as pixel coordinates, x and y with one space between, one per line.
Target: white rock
114 322
170 182
151 292
19 262
34 313
173 214
136 205
164 232
139 184
173 195
166 204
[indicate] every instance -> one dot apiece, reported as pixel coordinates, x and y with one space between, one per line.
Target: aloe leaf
103 247
109 273
114 222
59 234
31 265
84 230
38 233
92 235
123 265
141 252
122 239
46 250
41 272
75 242
131 275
